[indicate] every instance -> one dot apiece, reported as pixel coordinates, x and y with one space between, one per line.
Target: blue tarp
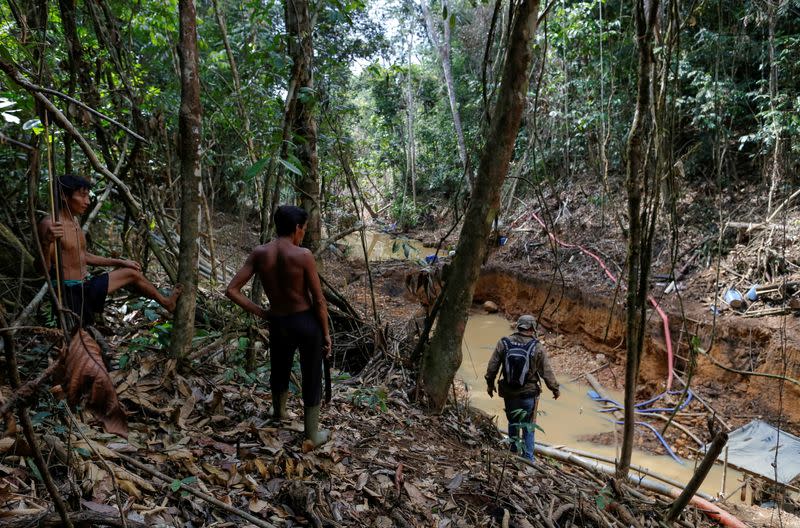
754 447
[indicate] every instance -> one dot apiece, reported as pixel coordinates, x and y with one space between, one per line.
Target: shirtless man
298 314
83 294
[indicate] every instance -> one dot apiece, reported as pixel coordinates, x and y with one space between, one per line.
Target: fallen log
704 506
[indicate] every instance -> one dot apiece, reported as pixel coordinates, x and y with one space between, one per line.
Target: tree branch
65 123
5 139
208 498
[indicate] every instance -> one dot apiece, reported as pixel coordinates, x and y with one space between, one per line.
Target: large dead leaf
85 374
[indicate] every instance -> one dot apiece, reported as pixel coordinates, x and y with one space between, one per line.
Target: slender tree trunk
638 167
301 50
189 124
774 163
237 83
412 149
443 48
443 356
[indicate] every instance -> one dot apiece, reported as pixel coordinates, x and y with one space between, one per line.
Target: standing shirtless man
83 294
298 314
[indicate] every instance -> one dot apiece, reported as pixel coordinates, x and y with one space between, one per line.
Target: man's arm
546 372
234 289
97 260
493 367
317 298
49 231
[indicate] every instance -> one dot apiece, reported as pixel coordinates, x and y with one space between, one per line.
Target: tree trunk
15 259
443 48
189 123
443 356
301 50
412 149
638 258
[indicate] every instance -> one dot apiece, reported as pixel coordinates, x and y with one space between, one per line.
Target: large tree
443 356
189 124
304 125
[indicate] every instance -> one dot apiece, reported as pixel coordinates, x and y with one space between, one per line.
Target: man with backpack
523 363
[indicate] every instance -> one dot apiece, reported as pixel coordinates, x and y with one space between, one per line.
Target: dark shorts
86 298
288 333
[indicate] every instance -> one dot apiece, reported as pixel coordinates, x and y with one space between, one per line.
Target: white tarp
753 448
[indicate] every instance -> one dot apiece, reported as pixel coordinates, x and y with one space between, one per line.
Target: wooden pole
699 476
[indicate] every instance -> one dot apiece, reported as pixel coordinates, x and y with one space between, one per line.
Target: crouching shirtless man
297 316
83 294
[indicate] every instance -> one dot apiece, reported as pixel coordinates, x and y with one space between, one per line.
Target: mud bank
596 320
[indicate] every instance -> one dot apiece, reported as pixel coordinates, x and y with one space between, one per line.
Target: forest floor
389 463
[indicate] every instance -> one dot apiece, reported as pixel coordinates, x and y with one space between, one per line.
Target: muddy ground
581 310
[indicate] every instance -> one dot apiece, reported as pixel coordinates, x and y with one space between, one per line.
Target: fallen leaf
85 374
257 505
455 482
416 496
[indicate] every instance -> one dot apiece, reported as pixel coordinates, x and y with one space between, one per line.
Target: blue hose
670 452
616 406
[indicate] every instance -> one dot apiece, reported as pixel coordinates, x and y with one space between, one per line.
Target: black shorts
288 333
86 298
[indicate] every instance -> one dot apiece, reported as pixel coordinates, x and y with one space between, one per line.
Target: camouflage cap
526 322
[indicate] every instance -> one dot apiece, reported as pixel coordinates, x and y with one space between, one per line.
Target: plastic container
752 294
733 298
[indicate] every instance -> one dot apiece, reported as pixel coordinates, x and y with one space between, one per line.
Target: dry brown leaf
416 496
262 468
6 444
130 488
85 374
257 505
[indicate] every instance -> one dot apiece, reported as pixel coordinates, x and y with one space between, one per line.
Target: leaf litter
388 464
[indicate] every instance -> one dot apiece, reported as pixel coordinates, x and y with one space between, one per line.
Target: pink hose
664 319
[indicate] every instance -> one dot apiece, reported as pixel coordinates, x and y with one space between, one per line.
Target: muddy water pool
573 416
383 246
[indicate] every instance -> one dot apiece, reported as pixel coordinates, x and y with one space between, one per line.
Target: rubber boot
314 435
279 400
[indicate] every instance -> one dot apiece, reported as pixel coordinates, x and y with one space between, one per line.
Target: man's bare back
282 268
288 273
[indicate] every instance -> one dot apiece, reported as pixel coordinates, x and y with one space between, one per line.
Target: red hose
664 319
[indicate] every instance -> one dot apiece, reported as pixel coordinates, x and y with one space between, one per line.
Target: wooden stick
579 376
699 476
84 518
330 240
199 494
26 391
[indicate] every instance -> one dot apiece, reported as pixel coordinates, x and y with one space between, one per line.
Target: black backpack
517 362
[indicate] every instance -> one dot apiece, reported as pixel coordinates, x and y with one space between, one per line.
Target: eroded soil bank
766 346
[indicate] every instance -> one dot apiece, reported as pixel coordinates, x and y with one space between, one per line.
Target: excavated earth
594 320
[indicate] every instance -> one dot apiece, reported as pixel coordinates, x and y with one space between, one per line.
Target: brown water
382 246
572 416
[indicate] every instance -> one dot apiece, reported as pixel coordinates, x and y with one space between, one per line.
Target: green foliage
603 498
371 398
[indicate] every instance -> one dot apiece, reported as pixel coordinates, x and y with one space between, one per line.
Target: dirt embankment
753 346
